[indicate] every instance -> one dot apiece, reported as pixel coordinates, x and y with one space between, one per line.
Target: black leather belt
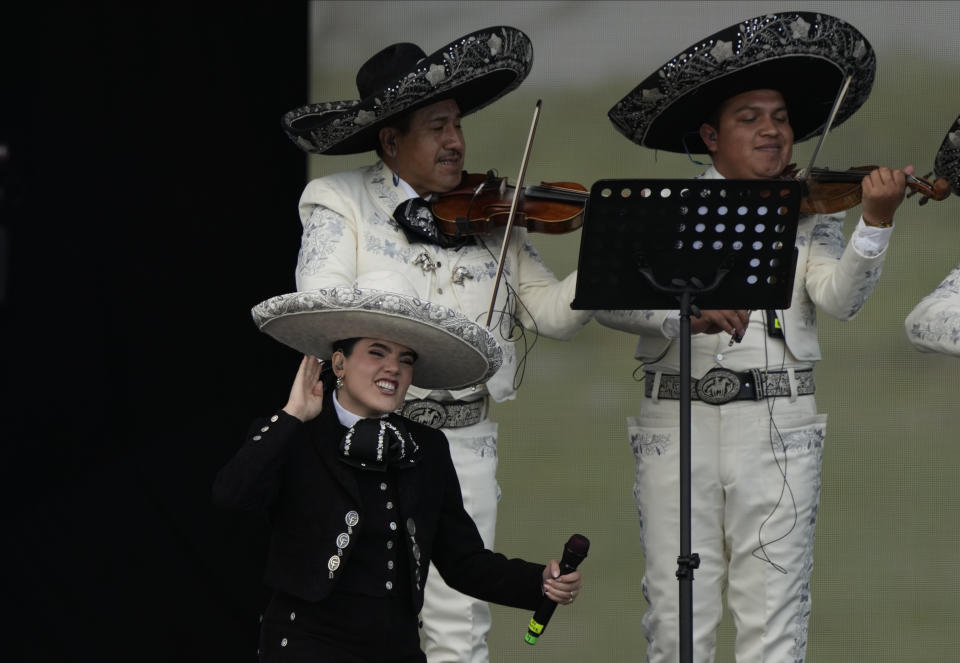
444 414
721 386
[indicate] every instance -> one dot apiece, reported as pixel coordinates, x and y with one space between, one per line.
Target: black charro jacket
292 469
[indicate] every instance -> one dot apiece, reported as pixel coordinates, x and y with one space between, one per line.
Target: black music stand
665 244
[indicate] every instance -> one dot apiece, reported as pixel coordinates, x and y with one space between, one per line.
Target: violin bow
921 182
802 175
513 210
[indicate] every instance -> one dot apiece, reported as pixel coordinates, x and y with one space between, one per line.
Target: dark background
147 201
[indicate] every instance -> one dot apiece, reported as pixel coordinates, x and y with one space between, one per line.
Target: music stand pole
687 561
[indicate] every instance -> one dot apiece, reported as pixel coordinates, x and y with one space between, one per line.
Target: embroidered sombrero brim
475 70
947 162
804 55
452 352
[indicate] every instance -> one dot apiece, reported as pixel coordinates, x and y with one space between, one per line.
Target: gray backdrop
885 588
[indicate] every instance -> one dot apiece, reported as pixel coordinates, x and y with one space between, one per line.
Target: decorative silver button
264 429
719 356
411 527
257 438
274 418
389 585
393 526
293 616
416 552
333 563
389 545
283 643
383 486
352 518
343 540
390 564
389 505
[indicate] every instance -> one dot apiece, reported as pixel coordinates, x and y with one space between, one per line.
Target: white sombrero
804 55
475 70
452 352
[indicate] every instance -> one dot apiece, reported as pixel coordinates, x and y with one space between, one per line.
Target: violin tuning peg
924 201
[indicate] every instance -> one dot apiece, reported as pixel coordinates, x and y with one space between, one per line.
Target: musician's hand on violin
733 322
883 191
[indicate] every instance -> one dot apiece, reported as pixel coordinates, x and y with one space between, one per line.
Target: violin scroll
938 190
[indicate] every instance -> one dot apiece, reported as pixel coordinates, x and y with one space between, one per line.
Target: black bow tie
419 225
376 444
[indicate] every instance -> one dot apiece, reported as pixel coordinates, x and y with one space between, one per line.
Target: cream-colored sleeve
934 323
545 301
328 246
838 278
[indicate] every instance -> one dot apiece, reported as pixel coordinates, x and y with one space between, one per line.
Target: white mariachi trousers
755 468
455 626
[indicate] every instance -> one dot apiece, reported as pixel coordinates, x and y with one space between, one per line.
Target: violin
827 191
482 202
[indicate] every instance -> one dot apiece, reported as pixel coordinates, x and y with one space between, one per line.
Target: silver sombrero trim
470 58
348 299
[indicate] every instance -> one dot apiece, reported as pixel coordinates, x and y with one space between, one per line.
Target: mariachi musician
934 323
744 95
379 218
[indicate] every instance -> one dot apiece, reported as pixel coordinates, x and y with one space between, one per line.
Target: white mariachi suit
752 460
348 230
934 324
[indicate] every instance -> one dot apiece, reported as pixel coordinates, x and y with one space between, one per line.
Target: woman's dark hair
327 376
345 345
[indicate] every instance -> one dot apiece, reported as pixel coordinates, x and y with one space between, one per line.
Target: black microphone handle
573 553
545 611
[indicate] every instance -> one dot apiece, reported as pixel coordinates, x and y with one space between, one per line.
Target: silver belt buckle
718 386
426 412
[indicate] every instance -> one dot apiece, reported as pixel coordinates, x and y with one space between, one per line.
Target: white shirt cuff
870 241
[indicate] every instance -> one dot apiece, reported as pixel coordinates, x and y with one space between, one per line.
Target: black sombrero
475 70
804 55
947 162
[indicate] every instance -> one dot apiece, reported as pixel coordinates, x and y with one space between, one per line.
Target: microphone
574 552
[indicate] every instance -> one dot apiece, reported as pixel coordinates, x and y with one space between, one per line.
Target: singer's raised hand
562 589
306 394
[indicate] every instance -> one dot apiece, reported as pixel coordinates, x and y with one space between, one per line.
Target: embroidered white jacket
934 324
348 229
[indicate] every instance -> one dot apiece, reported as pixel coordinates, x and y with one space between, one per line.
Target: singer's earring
339 382
396 180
